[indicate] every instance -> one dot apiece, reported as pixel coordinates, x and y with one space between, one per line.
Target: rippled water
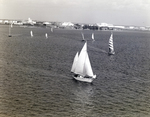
35 78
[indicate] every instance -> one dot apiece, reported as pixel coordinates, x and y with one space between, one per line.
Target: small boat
46 36
93 37
81 67
31 33
9 34
111 46
82 37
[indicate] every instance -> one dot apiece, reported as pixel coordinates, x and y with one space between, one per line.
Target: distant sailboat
82 37
31 33
93 37
111 46
81 66
52 30
10 26
46 36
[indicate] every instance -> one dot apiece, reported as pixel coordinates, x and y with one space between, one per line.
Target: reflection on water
82 104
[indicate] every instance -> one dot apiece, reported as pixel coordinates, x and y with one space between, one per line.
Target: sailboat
81 66
111 46
46 36
31 33
93 37
82 37
10 26
52 30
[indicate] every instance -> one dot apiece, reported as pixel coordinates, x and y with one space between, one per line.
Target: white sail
81 61
46 36
31 33
87 67
51 29
74 62
111 46
10 26
93 36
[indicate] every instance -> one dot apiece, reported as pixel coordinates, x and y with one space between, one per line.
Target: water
35 78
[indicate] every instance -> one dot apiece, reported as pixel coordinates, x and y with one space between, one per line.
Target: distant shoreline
68 28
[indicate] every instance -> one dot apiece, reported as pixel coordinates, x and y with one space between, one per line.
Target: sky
117 12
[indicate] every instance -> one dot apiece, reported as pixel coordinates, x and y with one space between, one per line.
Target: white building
65 24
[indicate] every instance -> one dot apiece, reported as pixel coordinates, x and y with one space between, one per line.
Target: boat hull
84 79
111 53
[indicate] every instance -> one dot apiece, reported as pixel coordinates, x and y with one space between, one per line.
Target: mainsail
82 36
74 62
46 36
10 26
83 65
88 68
93 36
111 46
31 33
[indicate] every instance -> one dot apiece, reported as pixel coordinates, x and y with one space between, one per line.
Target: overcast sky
117 12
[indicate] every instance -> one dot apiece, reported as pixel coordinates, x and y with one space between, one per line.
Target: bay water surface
35 78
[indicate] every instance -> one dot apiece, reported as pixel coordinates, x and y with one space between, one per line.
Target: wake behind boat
111 46
81 66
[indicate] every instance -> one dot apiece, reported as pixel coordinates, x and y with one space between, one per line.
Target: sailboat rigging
81 66
111 46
